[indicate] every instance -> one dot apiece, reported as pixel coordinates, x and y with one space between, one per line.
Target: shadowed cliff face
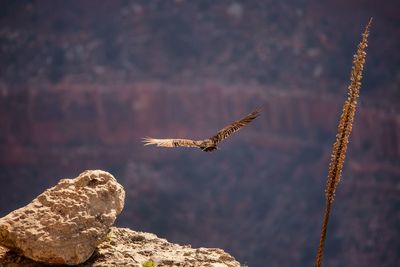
82 83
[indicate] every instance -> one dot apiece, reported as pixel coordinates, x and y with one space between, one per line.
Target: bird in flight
209 144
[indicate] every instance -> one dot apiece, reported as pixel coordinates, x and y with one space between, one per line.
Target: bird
209 144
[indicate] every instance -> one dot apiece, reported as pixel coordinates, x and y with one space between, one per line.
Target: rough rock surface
124 247
64 224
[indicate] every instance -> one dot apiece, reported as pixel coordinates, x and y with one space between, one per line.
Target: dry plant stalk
342 137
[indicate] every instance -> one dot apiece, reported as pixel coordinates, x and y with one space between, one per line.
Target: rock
64 224
124 247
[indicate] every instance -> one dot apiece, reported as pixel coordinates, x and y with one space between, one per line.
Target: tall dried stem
342 137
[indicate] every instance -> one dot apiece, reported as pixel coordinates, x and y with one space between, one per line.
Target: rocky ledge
124 247
70 224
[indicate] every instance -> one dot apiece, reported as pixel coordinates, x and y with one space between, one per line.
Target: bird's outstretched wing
235 126
169 142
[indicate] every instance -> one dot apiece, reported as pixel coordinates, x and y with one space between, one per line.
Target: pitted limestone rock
65 223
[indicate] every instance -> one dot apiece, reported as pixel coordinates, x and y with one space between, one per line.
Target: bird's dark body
207 145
